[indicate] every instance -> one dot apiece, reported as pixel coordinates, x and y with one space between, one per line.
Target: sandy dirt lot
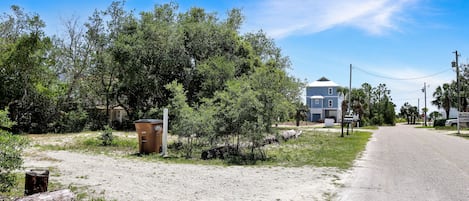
120 178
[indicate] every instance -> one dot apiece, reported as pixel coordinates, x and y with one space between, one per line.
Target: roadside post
165 132
463 117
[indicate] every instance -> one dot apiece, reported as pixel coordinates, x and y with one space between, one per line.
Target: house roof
323 82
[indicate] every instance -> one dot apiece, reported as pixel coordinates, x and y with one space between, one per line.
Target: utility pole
424 90
456 65
350 98
350 89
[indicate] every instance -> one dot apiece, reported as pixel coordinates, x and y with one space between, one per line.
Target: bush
97 119
11 147
106 137
439 122
377 120
72 122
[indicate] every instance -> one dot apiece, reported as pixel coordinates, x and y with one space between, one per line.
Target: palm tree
344 91
405 111
442 97
367 90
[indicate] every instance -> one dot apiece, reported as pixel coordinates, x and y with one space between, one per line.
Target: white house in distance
323 100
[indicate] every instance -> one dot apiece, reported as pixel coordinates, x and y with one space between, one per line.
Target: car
451 122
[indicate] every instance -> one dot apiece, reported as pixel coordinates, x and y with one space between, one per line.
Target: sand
118 178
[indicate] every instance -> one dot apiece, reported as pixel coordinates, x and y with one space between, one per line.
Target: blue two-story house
323 100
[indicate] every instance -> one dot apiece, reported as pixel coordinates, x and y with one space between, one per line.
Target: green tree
240 113
301 112
11 148
434 115
405 112
188 122
101 83
276 91
368 104
443 98
29 87
267 50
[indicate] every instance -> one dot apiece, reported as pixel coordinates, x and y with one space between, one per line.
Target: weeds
106 137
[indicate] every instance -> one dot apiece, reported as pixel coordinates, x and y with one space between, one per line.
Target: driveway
408 163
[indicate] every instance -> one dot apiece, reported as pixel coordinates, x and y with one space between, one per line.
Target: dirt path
135 179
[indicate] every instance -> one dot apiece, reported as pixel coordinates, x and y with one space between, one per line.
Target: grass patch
425 127
320 149
361 127
370 127
314 148
120 145
450 128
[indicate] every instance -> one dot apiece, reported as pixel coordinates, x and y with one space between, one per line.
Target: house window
329 91
329 103
316 101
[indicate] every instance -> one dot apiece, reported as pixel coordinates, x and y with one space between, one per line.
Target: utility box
150 135
328 122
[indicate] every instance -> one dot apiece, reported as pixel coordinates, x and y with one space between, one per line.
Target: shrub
97 119
106 137
72 121
439 122
11 147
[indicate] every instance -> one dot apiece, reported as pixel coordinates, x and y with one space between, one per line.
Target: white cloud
282 18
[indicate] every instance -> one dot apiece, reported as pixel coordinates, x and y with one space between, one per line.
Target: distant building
116 113
453 113
323 100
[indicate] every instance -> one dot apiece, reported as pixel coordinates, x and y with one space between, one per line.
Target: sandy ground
134 179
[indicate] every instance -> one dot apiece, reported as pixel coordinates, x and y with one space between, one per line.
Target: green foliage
409 112
189 122
277 93
301 112
28 87
215 72
11 148
72 121
373 104
239 110
96 120
439 122
106 136
445 97
435 115
127 60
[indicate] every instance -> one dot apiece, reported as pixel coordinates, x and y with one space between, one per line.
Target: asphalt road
408 163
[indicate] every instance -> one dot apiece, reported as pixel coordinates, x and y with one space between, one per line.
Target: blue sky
401 43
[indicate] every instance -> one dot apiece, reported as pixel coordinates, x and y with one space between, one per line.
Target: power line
396 78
